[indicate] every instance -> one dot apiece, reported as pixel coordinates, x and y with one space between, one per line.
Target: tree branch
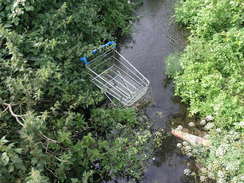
52 172
16 116
49 139
5 110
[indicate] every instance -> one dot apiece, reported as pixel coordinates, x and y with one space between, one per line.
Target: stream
154 37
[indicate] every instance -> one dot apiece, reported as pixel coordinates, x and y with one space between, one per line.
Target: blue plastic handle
94 51
110 43
84 60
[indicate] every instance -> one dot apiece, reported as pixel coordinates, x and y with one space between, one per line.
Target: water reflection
154 37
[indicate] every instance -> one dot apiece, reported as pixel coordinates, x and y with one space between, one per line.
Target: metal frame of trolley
115 75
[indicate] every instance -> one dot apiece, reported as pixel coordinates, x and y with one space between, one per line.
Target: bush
211 81
173 65
51 127
205 18
223 159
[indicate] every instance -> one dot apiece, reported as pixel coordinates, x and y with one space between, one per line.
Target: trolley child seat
115 75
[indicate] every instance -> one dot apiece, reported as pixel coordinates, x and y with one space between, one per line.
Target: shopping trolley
115 75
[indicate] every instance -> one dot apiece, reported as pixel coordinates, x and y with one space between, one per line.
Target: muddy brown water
154 37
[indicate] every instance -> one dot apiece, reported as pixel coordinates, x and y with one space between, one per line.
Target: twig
52 172
49 139
58 159
47 147
13 114
5 110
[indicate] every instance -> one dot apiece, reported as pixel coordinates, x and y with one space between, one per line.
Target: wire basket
116 76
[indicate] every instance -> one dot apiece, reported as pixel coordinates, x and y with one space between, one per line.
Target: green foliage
212 79
186 11
11 162
173 65
205 18
223 160
49 114
36 177
212 82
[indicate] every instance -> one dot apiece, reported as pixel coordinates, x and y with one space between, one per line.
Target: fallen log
192 139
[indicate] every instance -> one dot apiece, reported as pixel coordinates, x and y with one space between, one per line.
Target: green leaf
5 158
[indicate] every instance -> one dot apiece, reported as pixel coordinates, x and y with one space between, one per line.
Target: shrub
173 65
211 81
223 160
50 124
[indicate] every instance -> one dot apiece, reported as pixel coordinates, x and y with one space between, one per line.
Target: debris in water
206 136
189 154
187 172
209 126
160 114
179 145
203 178
179 127
191 124
203 122
185 143
192 139
188 148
